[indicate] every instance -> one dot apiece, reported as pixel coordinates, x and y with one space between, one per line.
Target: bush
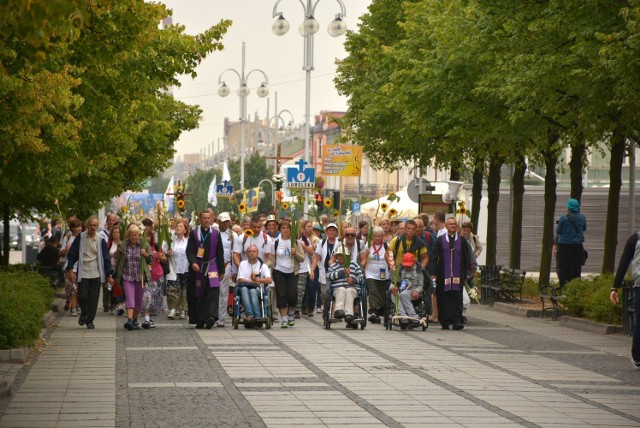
530 288
25 297
588 297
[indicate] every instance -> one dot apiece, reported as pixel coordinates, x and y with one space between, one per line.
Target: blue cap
573 205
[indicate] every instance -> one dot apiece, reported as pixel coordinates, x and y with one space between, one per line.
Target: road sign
301 177
224 190
355 207
342 160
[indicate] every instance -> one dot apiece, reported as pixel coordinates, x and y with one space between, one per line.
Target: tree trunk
454 173
550 183
576 166
618 143
493 190
4 256
476 193
517 190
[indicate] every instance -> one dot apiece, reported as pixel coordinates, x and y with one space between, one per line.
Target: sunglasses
350 235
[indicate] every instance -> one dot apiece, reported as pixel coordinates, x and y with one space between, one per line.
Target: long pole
243 108
632 186
308 66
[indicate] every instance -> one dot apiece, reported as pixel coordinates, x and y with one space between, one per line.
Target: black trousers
286 289
569 262
449 307
88 297
206 306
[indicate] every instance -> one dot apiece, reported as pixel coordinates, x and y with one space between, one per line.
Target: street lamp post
307 29
243 92
280 125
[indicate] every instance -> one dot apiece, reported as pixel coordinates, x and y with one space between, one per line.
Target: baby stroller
238 310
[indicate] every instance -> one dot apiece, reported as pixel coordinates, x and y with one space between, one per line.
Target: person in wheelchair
344 282
408 288
251 274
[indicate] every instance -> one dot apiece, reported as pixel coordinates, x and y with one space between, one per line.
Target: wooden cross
278 157
179 189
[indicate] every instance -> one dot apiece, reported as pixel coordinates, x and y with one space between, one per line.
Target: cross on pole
180 194
278 157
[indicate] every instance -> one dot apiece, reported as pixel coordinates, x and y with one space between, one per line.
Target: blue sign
301 177
224 190
355 207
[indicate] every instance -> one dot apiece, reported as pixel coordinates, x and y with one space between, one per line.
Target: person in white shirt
378 274
322 258
252 273
286 265
177 278
228 238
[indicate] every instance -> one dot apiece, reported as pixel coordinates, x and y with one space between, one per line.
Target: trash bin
30 253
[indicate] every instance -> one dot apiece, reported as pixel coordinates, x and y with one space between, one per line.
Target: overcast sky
279 57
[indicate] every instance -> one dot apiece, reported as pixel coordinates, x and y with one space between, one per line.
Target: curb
564 320
15 356
5 389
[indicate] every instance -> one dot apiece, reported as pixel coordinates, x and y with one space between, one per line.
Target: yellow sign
344 160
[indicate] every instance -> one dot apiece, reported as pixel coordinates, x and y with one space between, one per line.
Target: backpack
416 245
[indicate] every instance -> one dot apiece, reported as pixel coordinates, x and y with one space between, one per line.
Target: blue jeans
635 344
249 299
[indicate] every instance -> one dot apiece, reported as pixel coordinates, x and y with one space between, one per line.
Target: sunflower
328 202
384 206
336 213
180 204
248 233
242 207
285 206
393 212
462 211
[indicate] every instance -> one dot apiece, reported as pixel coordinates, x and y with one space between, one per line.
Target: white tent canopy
405 206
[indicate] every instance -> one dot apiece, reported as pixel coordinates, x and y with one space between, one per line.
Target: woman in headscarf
570 254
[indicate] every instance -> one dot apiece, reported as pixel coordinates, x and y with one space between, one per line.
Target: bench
488 274
628 311
554 295
508 286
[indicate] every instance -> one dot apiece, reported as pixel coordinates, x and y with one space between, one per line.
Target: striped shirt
336 276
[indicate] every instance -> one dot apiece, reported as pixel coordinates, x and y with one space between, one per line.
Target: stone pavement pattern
500 371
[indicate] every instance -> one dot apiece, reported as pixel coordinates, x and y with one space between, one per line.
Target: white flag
168 198
212 197
225 173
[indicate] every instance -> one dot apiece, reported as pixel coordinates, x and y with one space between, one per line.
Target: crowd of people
192 274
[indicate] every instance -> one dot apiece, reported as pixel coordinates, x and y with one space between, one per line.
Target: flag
225 173
168 195
212 197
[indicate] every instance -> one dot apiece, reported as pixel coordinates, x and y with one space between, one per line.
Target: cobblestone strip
322 375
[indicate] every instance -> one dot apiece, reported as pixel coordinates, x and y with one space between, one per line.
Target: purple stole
208 268
452 258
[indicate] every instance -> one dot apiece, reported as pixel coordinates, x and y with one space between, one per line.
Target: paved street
501 370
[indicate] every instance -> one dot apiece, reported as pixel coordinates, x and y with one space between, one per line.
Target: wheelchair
360 308
422 307
237 309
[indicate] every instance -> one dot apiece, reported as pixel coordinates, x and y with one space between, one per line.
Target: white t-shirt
377 267
245 269
284 260
263 245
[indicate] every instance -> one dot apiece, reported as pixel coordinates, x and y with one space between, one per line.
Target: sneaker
310 314
120 312
74 313
319 311
297 315
152 324
91 326
136 326
374 319
81 321
348 318
128 325
146 325
292 323
209 322
635 363
172 314
458 326
183 315
284 324
113 311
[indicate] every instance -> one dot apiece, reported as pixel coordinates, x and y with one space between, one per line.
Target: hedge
588 298
24 299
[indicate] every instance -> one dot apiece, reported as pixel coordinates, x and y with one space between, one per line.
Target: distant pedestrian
177 278
569 240
152 296
94 268
631 258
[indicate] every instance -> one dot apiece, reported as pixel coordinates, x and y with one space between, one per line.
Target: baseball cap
332 225
224 217
408 260
270 218
317 226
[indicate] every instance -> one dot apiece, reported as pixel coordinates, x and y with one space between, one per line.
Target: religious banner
342 160
301 177
249 199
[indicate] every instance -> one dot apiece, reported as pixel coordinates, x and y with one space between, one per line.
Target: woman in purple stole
206 270
452 260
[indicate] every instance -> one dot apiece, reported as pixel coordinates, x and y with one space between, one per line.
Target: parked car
14 235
